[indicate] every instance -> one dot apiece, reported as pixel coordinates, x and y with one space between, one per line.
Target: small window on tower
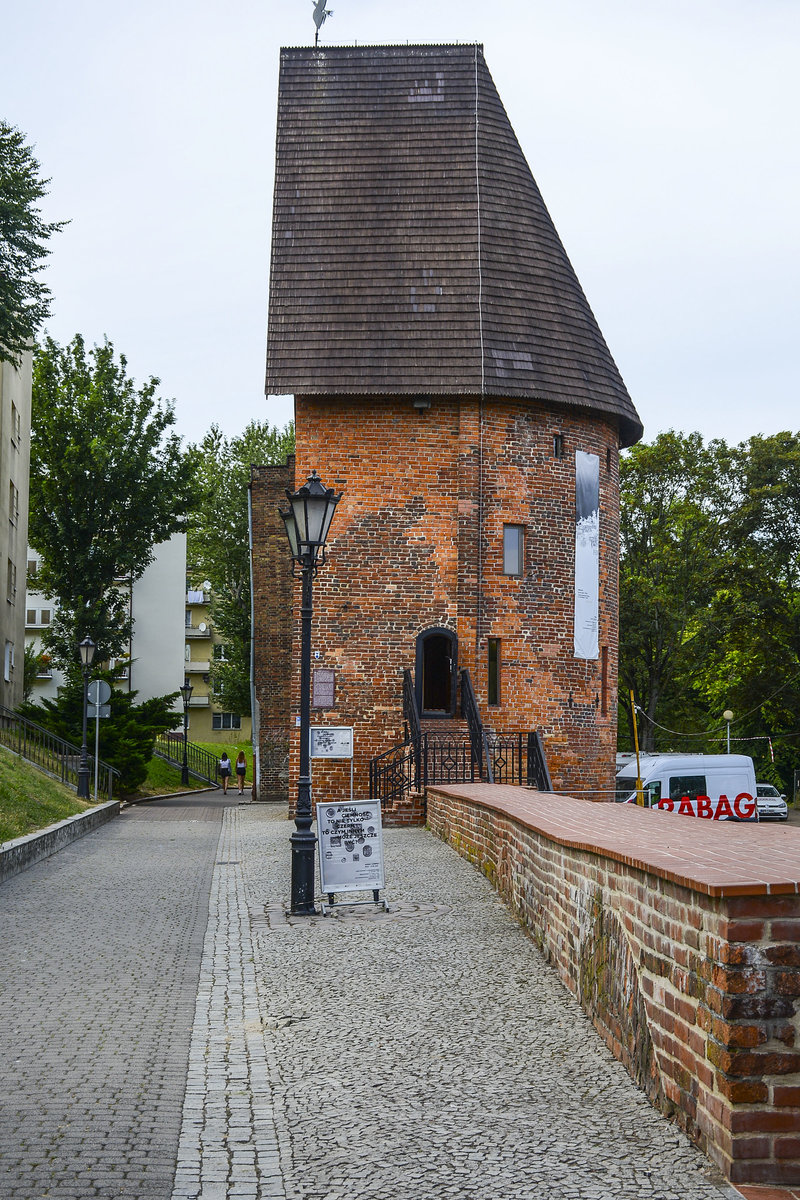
558 445
494 671
513 550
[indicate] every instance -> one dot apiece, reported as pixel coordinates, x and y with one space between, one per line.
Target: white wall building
155 663
15 450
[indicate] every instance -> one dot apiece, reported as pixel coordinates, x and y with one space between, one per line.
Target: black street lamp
86 652
186 692
307 522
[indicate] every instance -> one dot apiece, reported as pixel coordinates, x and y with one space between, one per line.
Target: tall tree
219 544
109 481
675 494
24 298
753 660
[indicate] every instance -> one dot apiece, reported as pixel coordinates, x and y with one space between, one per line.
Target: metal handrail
413 723
202 764
51 753
477 734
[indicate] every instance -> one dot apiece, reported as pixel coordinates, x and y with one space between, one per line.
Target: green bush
127 737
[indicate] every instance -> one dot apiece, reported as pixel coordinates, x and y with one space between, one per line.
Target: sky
663 137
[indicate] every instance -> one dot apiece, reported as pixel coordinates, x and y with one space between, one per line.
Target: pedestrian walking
241 770
225 771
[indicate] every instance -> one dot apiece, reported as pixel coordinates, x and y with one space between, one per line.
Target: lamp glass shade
186 691
313 506
291 531
86 650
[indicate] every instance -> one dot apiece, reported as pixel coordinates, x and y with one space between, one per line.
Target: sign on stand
350 849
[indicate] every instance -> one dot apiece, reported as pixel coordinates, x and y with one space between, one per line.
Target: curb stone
22 852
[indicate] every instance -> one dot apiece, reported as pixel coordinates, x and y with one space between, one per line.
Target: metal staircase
454 751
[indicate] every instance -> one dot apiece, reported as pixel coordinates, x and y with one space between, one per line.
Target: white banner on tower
587 554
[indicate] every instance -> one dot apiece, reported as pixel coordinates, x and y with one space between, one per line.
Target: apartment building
208 721
15 448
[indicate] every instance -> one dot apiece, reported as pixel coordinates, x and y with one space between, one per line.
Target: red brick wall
696 994
272 651
416 542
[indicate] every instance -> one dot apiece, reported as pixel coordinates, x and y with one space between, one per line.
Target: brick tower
451 381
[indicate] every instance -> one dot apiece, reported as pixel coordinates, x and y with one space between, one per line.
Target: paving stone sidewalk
425 1053
101 947
168 1032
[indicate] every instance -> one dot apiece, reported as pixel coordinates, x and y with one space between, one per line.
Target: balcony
196 666
200 701
197 596
202 630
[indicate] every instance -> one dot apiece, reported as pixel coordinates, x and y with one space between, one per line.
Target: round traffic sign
99 691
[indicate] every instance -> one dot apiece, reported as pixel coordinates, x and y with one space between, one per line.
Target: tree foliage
109 481
127 736
219 544
24 298
710 596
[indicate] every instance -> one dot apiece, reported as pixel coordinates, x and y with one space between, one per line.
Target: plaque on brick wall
331 741
323 688
350 846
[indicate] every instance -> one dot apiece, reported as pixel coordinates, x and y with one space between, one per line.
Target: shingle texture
411 249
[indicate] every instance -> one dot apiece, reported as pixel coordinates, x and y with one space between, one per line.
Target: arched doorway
437 666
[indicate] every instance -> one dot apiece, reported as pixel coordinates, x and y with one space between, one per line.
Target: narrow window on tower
558 445
494 671
513 550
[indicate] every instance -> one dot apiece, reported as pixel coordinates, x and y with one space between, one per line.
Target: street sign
350 846
102 710
99 692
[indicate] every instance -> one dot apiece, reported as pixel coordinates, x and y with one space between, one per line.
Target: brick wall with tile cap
679 937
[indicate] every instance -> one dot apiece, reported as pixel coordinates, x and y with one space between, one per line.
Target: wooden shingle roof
411 249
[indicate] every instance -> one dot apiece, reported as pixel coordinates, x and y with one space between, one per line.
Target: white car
771 804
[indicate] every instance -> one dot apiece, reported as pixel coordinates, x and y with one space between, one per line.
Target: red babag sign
742 808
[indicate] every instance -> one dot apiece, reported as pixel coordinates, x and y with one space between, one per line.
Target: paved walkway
169 1034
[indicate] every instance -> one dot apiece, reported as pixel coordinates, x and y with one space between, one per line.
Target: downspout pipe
254 723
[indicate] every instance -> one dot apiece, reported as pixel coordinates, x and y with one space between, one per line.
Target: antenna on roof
320 13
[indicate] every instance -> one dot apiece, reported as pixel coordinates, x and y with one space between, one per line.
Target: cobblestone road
101 948
151 1023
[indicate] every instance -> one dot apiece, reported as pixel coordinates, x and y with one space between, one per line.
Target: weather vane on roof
320 13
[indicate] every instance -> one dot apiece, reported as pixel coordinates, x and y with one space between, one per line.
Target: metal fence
515 758
52 754
202 764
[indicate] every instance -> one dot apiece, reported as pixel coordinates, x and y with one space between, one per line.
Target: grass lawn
162 779
31 800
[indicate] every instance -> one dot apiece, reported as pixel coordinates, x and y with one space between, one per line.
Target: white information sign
331 741
350 846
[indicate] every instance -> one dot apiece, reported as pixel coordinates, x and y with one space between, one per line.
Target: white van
719 787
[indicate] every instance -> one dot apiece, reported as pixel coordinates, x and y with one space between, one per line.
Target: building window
8 662
11 589
513 550
31 570
44 616
13 502
558 445
226 721
16 425
494 670
188 618
30 616
218 651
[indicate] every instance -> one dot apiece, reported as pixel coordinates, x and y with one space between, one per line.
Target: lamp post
727 717
186 692
86 652
307 522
